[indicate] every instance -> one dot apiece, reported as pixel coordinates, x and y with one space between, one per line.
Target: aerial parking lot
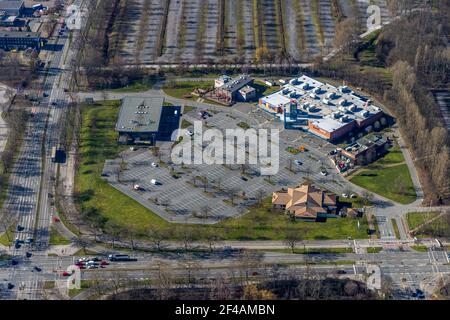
210 193
201 31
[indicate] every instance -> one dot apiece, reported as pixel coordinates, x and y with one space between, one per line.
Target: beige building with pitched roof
306 202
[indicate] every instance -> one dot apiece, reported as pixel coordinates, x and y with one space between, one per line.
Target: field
183 90
99 142
437 228
415 219
194 31
389 177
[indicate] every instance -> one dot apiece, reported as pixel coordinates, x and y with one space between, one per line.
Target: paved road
33 179
407 269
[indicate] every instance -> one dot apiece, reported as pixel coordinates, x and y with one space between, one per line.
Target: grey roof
247 89
236 83
140 114
11 4
18 34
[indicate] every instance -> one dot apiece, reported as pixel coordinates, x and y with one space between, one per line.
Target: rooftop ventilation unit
331 95
325 101
343 102
312 95
317 91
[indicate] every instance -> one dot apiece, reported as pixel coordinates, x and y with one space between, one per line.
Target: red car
104 263
65 274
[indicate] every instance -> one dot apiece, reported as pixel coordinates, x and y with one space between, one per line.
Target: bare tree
205 211
291 239
157 235
260 195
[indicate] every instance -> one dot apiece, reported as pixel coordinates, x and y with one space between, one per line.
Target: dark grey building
12 7
145 120
20 40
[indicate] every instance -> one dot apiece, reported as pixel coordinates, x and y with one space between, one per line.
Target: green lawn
4 257
394 156
395 227
134 87
439 228
374 249
185 124
300 250
392 182
260 224
188 109
420 248
56 238
243 125
99 142
263 90
7 237
183 89
49 284
415 219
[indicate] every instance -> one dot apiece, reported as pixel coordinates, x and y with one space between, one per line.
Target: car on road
45 94
36 268
341 272
29 240
54 103
105 175
10 286
104 263
28 254
14 262
132 148
65 274
119 257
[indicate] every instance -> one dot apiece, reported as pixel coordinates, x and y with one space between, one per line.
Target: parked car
189 133
28 254
36 268
353 196
10 286
344 195
244 178
65 274
154 164
298 162
341 272
323 172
